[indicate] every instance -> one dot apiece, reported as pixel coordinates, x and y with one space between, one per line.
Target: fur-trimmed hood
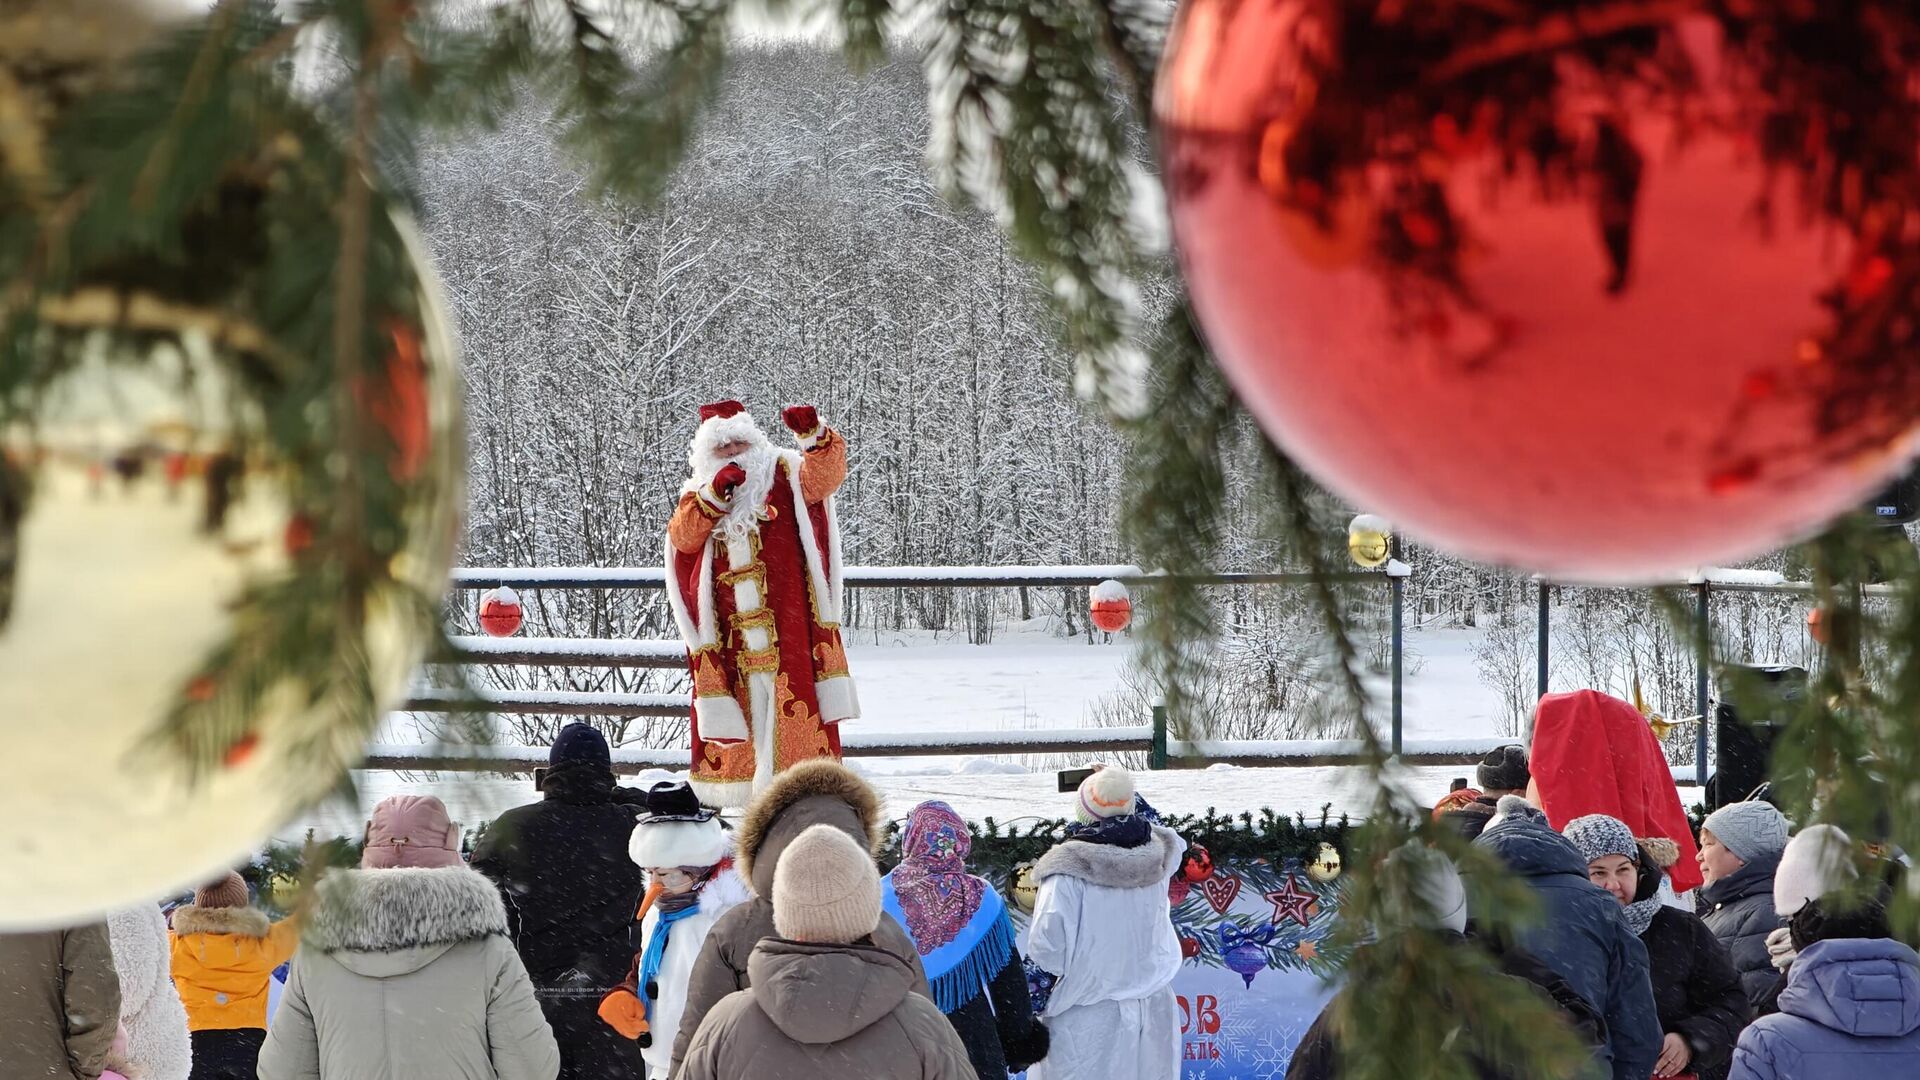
1152 863
240 922
409 916
1658 850
812 793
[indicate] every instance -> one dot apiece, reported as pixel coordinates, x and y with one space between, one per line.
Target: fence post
1543 622
1157 749
1702 653
1397 577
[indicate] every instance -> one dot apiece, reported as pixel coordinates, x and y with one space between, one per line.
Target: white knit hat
826 889
1108 793
678 843
1818 860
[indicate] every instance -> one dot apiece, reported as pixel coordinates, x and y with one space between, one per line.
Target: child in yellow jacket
224 956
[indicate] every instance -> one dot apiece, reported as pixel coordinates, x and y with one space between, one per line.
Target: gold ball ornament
1026 891
193 646
1325 865
1370 541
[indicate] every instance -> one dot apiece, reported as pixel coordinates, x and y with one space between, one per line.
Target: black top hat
674 800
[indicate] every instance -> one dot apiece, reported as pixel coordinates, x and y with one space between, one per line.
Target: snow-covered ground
1027 679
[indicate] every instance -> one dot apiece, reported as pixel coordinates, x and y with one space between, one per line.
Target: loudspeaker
1755 704
1900 502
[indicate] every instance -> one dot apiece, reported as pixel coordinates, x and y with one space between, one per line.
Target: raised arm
824 468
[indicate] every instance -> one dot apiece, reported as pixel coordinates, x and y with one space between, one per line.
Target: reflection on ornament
1291 901
1245 951
160 510
1025 889
1111 608
1325 865
500 612
1603 336
1369 541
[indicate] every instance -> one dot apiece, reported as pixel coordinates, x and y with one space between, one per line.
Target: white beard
760 461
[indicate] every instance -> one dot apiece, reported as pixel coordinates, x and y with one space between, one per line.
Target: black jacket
1739 910
998 1027
571 890
1318 1056
1696 989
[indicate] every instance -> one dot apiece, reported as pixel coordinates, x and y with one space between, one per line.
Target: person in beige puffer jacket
825 1002
405 971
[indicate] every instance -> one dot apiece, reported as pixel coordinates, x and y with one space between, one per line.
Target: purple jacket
1851 1009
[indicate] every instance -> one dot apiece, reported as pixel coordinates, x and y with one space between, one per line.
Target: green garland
999 850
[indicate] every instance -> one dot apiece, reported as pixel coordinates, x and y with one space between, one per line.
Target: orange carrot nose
646 902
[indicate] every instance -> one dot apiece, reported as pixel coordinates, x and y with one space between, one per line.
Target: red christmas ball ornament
500 612
1189 947
1817 625
1111 608
1604 301
1197 865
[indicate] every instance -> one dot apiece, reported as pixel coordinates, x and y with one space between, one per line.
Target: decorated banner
1255 937
1255 905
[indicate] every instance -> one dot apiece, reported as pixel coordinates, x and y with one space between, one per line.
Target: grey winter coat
408 975
827 1012
1739 910
813 793
59 1004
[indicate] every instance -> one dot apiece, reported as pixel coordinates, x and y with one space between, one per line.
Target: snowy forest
805 254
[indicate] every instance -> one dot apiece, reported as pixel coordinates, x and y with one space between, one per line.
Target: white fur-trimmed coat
158 1047
408 973
726 892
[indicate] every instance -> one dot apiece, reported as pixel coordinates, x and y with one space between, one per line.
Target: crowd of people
1775 963
606 933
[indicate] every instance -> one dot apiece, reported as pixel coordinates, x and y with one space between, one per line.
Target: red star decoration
1290 901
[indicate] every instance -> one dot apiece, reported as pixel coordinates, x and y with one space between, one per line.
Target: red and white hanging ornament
1112 607
500 612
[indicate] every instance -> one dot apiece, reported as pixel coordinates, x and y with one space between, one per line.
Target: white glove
1780 948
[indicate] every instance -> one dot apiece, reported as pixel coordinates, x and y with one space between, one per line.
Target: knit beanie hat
1503 769
1599 835
826 889
411 831
1752 830
1108 793
1816 862
580 744
228 892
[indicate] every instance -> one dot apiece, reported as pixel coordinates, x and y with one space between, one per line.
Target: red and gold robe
761 619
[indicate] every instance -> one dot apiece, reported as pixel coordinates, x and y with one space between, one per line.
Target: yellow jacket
223 961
